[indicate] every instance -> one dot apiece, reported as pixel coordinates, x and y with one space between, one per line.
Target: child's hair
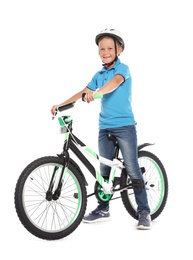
105 36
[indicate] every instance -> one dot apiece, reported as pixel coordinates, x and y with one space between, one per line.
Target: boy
116 118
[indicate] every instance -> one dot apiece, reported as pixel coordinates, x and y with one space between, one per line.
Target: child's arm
75 97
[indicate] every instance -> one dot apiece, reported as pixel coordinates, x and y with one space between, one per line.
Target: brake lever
55 113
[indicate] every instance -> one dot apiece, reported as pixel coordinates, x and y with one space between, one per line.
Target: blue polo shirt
116 110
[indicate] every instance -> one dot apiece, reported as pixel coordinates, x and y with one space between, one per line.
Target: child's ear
120 49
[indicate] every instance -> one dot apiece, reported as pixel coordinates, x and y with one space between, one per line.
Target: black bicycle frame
80 156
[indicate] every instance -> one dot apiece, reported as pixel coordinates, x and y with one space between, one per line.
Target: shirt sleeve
123 70
93 83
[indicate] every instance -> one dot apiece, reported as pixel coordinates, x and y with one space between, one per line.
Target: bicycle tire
156 184
55 219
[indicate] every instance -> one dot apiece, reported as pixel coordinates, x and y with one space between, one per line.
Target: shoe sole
141 227
96 220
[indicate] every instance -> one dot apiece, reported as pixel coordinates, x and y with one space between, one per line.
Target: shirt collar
114 66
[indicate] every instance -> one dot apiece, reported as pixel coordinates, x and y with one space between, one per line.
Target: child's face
107 49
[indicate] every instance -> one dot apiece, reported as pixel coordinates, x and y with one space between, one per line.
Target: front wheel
156 184
43 214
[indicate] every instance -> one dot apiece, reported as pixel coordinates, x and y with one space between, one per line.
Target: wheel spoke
156 185
50 217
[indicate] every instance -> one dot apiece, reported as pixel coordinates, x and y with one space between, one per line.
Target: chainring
100 194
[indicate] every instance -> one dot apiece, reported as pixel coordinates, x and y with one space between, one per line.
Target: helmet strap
110 63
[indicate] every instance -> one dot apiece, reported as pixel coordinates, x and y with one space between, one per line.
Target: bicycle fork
51 194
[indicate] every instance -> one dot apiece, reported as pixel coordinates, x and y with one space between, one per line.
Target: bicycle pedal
142 169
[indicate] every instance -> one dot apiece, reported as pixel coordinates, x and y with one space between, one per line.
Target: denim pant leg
106 149
127 139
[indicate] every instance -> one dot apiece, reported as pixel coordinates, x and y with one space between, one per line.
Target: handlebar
72 104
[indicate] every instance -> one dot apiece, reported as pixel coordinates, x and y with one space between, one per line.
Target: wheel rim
154 183
55 215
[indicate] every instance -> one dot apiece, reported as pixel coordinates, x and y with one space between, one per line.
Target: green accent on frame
99 178
66 136
61 122
91 152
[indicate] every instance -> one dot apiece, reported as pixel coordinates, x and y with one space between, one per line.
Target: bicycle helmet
115 34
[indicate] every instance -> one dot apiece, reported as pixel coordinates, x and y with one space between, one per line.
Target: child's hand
89 97
53 109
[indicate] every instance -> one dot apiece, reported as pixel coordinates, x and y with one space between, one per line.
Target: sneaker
98 215
144 219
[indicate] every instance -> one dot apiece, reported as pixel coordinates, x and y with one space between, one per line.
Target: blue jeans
127 139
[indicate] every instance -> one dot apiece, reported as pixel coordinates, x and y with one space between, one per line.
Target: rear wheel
50 217
156 184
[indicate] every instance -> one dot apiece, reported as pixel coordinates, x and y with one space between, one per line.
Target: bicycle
51 196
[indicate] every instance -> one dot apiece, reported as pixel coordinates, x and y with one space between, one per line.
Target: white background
48 53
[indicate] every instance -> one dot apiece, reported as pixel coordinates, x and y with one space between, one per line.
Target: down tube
83 159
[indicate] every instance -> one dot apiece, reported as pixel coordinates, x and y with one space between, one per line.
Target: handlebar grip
67 106
97 95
